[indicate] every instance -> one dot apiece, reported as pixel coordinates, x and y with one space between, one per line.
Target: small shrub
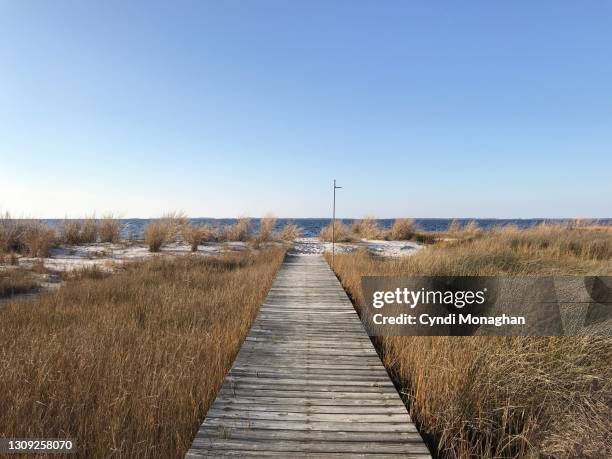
340 233
290 232
403 229
109 229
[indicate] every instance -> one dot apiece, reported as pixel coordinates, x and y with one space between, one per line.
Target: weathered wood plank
309 446
311 435
307 381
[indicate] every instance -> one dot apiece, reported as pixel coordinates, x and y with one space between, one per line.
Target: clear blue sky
418 108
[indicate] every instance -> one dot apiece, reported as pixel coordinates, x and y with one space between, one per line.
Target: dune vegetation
128 363
17 281
403 229
495 396
33 238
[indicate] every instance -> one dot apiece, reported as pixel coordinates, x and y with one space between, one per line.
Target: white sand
106 256
313 246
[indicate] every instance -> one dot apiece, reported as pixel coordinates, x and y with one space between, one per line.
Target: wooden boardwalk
307 381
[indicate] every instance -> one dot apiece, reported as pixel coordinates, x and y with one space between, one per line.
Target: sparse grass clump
89 230
341 232
70 232
155 235
39 239
368 228
195 235
266 229
403 229
16 281
469 230
496 397
242 230
76 232
109 229
128 364
290 232
166 229
12 233
26 237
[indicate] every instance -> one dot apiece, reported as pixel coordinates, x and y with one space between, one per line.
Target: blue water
133 228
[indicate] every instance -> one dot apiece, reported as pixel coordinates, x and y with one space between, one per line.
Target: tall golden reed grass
403 229
496 397
241 231
16 281
76 232
167 229
368 228
266 229
290 232
26 237
128 364
195 235
340 232
109 229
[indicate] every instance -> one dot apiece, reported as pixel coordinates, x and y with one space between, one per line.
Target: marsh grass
89 230
26 237
495 396
109 229
368 228
195 235
128 364
290 232
70 232
241 231
155 235
38 240
341 233
12 233
266 229
167 229
403 229
16 281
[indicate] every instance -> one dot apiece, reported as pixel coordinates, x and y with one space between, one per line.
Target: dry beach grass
503 397
16 281
403 229
128 363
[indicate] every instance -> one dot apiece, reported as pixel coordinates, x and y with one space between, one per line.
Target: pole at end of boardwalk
334 224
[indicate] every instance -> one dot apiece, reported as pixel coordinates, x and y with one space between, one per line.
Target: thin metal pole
334 226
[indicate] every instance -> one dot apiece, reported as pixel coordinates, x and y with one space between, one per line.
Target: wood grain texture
307 381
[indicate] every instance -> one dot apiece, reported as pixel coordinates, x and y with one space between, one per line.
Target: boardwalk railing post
334 224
